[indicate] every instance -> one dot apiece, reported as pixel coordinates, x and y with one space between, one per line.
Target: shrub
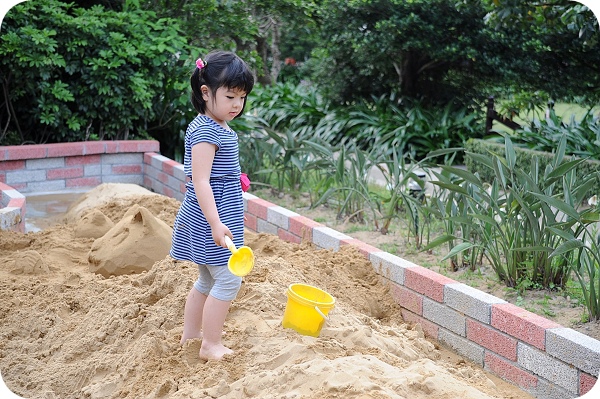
73 74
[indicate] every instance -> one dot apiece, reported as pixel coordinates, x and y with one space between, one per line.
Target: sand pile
67 332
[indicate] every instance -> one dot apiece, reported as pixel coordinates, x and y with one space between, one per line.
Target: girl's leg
217 304
215 312
194 305
192 315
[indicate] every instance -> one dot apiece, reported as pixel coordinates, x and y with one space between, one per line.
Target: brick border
539 356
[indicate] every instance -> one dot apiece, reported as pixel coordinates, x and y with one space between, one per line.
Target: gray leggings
218 282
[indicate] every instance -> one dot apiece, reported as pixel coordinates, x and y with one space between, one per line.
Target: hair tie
200 64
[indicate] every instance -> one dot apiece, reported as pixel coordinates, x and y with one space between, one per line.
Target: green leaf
458 249
444 238
560 205
566 247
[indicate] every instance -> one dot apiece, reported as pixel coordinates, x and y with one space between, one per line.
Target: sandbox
71 332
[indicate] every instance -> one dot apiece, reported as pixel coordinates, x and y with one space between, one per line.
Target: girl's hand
219 231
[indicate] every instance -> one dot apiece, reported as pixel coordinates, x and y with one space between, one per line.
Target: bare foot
213 352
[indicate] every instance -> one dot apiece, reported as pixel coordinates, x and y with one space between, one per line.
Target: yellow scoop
241 260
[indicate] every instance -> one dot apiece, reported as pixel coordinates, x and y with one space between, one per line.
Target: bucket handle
321 313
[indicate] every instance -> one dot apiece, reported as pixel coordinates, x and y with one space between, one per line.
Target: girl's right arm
203 155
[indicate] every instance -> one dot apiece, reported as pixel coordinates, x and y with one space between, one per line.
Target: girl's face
225 105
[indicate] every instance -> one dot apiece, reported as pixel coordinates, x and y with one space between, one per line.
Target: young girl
213 206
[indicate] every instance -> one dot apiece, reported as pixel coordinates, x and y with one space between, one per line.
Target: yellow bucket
307 309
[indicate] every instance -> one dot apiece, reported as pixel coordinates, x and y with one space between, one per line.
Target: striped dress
192 236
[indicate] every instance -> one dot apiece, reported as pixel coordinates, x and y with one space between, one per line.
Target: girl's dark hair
222 69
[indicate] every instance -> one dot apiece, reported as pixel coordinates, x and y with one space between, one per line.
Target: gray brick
106 170
7 195
157 161
25 176
92 170
179 174
547 367
328 238
45 186
444 316
123 159
574 348
173 183
280 216
45 163
265 227
390 266
470 301
462 346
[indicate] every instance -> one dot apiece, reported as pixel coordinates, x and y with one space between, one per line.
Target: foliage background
120 68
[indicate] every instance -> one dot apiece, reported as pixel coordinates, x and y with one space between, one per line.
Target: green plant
513 220
349 181
582 239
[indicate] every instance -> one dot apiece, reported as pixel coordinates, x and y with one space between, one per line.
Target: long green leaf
451 187
463 246
566 247
439 241
560 205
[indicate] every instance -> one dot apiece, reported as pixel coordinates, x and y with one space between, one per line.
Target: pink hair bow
200 64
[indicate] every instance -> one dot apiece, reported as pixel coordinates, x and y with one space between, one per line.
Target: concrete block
429 329
328 238
262 226
44 163
390 266
92 170
470 301
548 367
406 298
123 159
25 176
280 216
574 348
259 207
45 186
445 317
133 179
462 346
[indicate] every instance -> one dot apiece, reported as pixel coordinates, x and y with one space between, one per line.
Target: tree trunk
275 51
262 49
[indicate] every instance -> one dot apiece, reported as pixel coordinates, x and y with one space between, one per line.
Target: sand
93 308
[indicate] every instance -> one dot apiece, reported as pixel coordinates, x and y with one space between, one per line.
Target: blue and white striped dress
192 236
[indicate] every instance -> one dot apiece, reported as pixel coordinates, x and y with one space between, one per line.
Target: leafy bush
73 74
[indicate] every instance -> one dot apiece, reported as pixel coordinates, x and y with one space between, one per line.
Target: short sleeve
205 135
